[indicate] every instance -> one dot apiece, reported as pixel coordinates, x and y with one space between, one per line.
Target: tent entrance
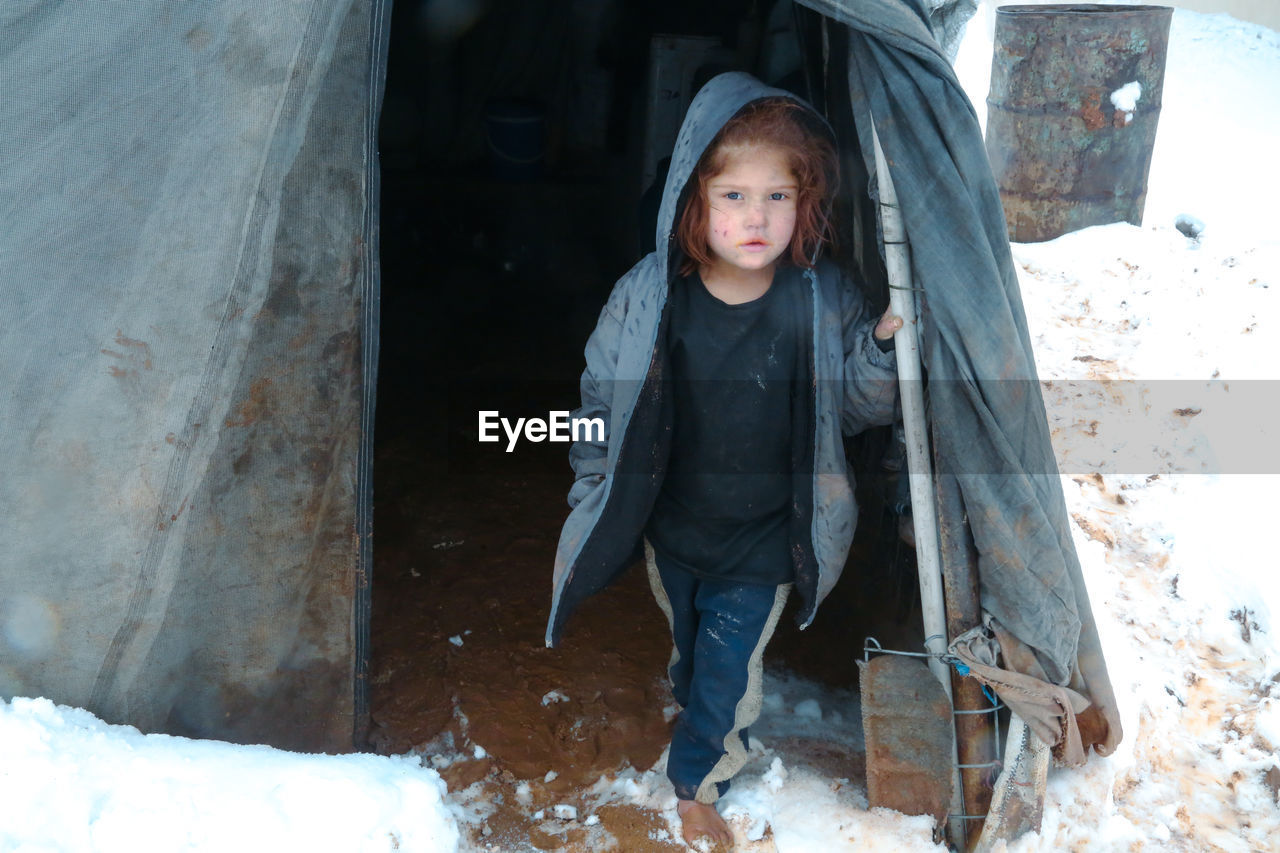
491 283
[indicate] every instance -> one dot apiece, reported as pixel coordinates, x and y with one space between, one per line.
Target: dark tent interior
519 144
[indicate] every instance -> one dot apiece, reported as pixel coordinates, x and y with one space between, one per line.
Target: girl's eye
778 196
733 195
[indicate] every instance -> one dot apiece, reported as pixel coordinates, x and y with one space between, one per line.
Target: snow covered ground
1162 355
69 782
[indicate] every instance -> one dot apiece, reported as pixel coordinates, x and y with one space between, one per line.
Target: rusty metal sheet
906 719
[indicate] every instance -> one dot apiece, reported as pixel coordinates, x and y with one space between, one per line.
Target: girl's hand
889 323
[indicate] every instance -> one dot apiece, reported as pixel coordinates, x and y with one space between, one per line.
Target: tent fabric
189 283
983 392
949 19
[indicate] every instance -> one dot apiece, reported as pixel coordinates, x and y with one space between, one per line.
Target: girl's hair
784 124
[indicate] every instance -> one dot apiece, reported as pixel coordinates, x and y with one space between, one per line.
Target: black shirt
726 498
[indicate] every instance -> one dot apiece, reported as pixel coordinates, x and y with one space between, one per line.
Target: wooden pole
975 733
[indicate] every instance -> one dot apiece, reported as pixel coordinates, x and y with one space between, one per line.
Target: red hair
783 124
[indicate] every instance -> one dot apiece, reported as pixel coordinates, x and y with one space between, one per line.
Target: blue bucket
516 132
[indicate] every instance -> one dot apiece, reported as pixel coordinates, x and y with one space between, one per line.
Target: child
726 365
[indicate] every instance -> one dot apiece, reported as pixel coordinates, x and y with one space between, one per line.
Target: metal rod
910 379
974 741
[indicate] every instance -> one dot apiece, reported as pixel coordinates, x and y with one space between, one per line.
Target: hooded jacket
852 385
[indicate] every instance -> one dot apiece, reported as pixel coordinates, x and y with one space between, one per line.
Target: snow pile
70 782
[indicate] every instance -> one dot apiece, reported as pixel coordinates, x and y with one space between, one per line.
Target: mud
462 591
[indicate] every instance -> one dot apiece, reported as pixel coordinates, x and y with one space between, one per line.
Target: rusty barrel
1072 113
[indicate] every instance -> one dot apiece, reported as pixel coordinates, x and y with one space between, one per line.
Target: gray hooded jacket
853 385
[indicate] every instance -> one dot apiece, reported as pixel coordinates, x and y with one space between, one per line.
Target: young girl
726 364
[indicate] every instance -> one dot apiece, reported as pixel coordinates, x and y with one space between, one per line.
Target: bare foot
699 820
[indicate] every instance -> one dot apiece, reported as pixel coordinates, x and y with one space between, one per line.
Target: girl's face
752 212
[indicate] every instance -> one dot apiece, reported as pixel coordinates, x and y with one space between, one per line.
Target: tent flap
984 395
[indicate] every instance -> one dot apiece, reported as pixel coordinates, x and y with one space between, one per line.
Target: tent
190 292
190 343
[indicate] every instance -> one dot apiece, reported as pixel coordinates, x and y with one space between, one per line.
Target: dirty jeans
720 629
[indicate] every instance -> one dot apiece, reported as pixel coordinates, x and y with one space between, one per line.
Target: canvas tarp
188 275
983 392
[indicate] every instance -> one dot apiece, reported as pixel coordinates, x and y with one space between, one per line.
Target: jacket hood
717 102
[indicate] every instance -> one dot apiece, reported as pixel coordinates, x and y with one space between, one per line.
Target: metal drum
1072 113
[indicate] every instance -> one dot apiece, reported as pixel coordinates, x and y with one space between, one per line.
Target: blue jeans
720 630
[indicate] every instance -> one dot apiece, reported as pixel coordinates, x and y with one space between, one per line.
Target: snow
776 777
1160 353
776 796
564 812
808 708
1126 97
69 782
